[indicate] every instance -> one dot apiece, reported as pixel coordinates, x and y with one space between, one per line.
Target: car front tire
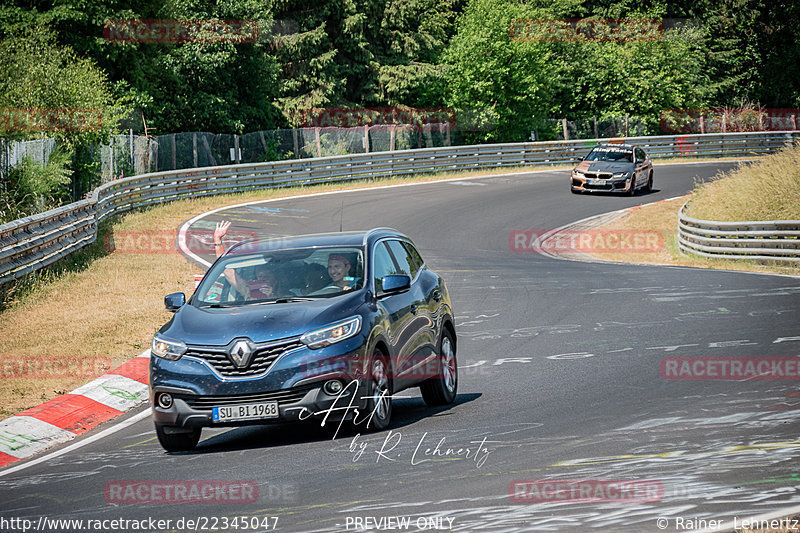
649 187
442 389
632 191
379 399
174 439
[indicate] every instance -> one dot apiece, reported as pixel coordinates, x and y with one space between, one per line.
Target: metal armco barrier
34 242
777 240
37 241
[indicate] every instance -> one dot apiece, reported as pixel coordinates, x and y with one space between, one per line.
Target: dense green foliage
461 54
420 53
32 187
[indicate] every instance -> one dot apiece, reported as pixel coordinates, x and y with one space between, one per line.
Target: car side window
640 155
403 258
414 253
382 265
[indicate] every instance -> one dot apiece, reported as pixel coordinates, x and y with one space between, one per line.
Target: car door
641 167
422 326
396 308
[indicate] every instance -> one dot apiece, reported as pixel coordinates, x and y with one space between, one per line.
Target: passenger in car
316 278
262 285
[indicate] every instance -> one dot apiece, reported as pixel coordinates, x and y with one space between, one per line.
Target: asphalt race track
559 379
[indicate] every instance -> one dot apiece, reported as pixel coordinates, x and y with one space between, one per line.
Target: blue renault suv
324 327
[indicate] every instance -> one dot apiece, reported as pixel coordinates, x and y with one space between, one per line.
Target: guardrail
35 242
777 240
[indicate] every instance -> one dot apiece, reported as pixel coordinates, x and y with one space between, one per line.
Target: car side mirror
395 283
174 301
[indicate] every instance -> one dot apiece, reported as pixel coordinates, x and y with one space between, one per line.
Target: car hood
259 323
604 166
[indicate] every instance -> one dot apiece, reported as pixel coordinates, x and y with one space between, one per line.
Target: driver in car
339 271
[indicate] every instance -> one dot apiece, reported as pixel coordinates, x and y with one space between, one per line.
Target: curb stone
65 417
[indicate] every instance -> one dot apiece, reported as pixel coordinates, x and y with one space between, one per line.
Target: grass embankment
766 190
100 309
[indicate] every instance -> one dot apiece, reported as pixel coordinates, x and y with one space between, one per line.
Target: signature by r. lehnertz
422 450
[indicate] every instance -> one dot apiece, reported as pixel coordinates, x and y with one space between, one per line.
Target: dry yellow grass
766 190
663 218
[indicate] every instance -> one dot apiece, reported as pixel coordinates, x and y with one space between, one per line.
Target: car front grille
604 187
205 403
261 361
598 175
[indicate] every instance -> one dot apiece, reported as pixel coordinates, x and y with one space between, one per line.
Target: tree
46 89
54 85
509 59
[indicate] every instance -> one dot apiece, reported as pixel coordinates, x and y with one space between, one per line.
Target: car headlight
339 331
621 175
577 173
167 349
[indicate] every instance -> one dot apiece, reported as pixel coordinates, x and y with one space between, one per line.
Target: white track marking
113 429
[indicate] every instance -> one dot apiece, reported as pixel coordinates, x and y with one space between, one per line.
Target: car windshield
280 276
621 155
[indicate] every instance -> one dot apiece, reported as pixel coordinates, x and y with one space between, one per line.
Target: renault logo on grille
240 353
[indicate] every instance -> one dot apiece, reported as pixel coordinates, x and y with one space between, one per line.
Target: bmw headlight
338 331
621 175
166 348
577 173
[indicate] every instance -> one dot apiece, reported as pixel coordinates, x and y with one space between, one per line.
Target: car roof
341 238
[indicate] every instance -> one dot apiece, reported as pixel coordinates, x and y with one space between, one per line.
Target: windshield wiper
217 306
289 300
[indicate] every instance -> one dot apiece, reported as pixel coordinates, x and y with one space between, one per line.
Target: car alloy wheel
441 390
380 394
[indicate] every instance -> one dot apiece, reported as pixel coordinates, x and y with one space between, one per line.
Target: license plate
596 182
250 411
